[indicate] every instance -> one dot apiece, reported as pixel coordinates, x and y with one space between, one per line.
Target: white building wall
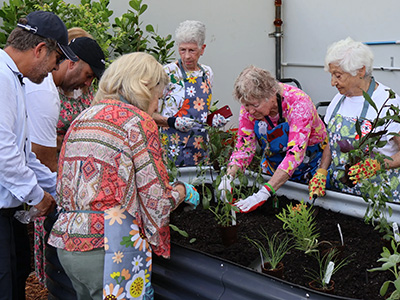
237 36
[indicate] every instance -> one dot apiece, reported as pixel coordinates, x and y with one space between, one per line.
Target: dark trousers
15 256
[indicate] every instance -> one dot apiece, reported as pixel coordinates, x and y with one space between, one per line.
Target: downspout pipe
278 39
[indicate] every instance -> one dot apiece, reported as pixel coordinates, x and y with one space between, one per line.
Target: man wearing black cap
43 102
33 49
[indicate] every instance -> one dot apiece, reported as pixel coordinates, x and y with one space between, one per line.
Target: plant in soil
390 262
328 265
272 249
300 222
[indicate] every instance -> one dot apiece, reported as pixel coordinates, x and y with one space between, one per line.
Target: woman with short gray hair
185 105
284 121
350 64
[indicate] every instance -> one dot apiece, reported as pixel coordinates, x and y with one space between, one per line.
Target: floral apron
343 128
274 140
186 147
128 258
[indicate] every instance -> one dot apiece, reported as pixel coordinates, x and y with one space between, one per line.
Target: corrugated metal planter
191 274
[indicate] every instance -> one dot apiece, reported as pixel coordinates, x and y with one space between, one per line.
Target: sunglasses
60 58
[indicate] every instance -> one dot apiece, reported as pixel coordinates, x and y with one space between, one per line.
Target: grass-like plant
300 222
328 265
273 248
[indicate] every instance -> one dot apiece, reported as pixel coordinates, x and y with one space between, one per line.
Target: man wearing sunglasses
33 49
43 101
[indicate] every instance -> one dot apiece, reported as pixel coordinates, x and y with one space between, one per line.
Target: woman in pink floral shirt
283 120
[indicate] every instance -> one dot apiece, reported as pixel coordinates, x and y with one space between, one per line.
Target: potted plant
328 265
300 222
272 251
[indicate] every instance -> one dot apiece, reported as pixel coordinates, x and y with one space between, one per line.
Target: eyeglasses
60 58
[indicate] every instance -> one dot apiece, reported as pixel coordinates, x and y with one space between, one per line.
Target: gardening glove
225 185
181 123
192 196
317 184
363 170
252 202
219 121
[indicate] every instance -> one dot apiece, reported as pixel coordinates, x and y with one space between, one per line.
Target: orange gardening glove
317 184
364 170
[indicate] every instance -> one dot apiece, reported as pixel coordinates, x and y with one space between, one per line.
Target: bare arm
160 120
395 163
326 158
46 155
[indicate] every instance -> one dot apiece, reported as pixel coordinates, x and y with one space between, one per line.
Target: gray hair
255 83
350 56
191 32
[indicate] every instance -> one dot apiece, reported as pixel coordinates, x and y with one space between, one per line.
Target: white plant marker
329 271
233 217
396 233
340 233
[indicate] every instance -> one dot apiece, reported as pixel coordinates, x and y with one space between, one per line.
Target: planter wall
191 274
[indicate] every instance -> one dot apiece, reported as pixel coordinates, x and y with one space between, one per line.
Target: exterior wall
237 36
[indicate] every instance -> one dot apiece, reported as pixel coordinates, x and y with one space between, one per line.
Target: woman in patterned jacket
114 196
285 122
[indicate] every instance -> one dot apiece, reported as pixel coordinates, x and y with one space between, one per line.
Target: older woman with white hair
114 195
184 107
350 65
285 122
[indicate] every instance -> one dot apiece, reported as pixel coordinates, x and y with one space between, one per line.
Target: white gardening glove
183 124
253 201
225 185
219 121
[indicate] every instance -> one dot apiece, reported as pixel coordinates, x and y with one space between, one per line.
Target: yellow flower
115 275
192 79
115 214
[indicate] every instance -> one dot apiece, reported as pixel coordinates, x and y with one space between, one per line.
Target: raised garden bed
218 262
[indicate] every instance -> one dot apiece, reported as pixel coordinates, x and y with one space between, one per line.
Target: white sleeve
43 108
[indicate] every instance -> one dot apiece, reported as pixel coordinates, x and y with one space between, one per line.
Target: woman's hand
181 123
363 170
251 203
317 184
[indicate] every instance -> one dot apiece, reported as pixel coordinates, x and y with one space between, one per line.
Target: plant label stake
328 273
396 233
262 258
275 202
340 233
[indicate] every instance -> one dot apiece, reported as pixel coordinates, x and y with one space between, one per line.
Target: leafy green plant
123 36
273 248
299 220
367 146
390 262
182 232
325 270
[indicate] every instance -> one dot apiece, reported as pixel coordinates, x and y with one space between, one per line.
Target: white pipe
292 64
338 202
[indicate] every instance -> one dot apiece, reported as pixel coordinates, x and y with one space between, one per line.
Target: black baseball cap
90 52
48 25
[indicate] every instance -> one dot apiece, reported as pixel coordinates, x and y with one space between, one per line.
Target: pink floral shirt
305 129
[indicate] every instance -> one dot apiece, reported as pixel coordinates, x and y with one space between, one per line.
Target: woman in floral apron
285 123
186 101
350 64
114 196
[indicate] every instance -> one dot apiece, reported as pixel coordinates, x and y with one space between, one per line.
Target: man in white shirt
43 102
33 49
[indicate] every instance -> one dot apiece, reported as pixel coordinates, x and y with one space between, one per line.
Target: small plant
390 262
300 221
328 265
273 249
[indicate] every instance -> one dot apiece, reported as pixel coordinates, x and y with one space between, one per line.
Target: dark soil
361 241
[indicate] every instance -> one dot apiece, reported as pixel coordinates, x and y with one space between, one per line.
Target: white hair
191 31
350 56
